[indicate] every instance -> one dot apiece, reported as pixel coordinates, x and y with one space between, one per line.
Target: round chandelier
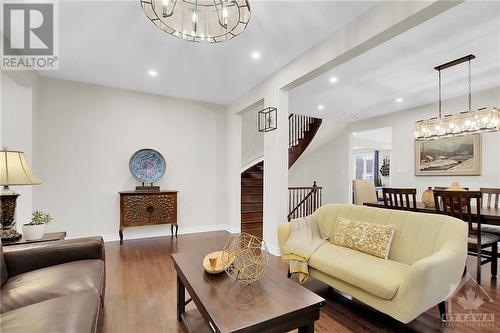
201 21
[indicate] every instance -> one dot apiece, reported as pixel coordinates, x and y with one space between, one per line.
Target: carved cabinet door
145 209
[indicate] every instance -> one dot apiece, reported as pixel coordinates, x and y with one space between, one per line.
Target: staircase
252 195
302 130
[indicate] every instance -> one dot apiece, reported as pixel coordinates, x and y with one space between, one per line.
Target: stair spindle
303 201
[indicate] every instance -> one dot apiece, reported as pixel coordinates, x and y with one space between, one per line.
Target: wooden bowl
214 264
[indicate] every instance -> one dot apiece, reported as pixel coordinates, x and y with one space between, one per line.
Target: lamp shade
14 170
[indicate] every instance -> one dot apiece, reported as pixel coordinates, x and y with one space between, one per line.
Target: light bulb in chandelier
225 14
165 6
195 23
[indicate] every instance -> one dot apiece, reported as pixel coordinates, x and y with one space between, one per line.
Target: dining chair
364 191
394 198
443 188
490 194
458 204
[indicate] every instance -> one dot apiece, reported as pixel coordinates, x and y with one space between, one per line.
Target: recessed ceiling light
152 73
255 55
334 79
354 133
321 107
399 99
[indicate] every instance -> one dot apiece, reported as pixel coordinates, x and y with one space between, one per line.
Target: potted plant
36 228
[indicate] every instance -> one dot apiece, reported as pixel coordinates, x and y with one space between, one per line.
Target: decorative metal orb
202 21
250 258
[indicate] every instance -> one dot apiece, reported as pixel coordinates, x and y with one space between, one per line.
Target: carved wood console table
139 208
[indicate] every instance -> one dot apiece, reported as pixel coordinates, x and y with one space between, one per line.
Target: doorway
371 156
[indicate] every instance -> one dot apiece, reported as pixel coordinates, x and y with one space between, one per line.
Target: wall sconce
267 119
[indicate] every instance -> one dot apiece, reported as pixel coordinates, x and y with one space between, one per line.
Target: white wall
331 165
84 136
328 166
16 133
252 141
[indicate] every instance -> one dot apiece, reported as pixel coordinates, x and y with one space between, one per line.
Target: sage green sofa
425 264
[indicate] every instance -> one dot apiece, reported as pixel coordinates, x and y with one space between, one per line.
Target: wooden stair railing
302 130
303 201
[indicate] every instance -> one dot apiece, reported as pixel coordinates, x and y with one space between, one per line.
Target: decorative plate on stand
147 165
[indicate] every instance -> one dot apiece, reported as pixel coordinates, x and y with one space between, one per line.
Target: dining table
489 215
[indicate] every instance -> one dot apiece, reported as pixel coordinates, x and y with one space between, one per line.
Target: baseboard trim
163 233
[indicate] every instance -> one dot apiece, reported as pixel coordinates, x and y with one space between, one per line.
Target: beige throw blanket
306 236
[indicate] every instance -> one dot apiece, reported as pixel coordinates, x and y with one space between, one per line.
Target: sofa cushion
50 282
376 276
78 312
370 238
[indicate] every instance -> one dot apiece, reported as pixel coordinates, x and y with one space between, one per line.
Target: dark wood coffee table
272 304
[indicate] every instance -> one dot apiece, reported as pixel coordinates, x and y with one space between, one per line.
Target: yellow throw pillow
371 238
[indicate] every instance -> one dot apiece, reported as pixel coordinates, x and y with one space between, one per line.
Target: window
363 165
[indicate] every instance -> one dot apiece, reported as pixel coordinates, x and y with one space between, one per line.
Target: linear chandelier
458 124
202 21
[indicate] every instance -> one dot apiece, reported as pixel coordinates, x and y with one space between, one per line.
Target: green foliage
39 217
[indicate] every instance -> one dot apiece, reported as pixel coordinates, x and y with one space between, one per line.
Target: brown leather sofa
53 287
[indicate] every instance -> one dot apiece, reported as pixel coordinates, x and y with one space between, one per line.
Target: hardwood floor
141 292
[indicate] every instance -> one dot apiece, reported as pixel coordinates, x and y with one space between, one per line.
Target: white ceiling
369 85
382 135
112 43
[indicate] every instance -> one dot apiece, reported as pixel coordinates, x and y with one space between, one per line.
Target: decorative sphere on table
250 258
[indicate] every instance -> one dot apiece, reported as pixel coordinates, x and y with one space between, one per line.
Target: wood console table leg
309 328
121 235
181 298
172 230
176 228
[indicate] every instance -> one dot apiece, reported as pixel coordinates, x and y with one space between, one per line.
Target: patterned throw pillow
371 238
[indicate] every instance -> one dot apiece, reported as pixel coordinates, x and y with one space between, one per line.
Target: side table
48 237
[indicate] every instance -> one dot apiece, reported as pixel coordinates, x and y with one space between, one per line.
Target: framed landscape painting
455 156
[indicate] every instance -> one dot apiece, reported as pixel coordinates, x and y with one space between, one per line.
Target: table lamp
13 171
